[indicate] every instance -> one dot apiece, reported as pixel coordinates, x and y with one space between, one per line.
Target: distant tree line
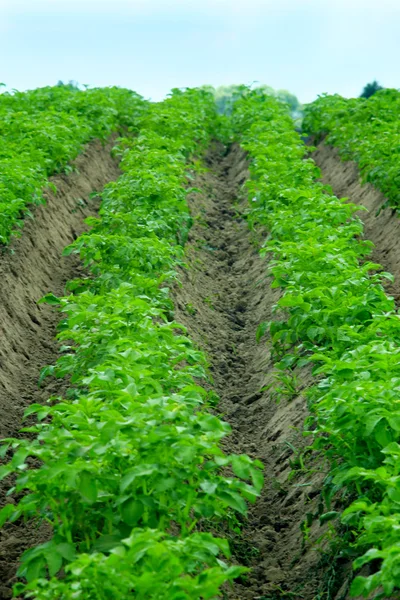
225 96
72 84
370 89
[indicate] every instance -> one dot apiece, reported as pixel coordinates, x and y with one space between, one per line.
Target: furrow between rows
224 296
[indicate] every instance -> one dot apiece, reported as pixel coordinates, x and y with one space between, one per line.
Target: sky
305 46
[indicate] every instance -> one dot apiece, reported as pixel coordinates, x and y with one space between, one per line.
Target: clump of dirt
382 227
225 295
31 267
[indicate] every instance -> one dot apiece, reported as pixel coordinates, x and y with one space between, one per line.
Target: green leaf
35 409
329 516
50 299
67 551
394 422
46 372
315 333
6 512
290 301
394 494
131 389
241 467
34 569
382 435
106 543
234 572
261 330
257 478
5 470
4 449
358 586
371 422
387 275
18 460
131 511
234 501
371 554
208 487
87 487
54 562
139 471
69 250
108 431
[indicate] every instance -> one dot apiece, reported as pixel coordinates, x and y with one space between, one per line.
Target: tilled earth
225 295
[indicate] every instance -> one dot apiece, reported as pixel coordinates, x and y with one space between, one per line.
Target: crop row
43 130
130 475
364 130
333 312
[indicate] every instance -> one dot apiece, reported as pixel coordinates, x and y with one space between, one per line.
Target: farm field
199 348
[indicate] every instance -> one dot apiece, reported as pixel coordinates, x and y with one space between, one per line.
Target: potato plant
364 130
335 313
131 466
43 130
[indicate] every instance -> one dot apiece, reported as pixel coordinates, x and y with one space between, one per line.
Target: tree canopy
225 96
370 89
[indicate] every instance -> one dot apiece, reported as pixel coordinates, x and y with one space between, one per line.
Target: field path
224 296
33 268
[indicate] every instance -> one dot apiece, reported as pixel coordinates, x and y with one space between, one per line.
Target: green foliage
365 131
44 129
165 568
131 461
334 313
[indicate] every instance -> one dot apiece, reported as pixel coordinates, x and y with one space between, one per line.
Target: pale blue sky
306 46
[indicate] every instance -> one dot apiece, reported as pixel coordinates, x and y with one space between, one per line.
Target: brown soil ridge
30 268
382 227
225 294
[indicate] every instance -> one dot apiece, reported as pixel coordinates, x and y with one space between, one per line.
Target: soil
30 268
382 227
224 296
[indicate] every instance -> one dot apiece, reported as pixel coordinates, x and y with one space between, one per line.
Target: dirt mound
30 268
382 227
225 295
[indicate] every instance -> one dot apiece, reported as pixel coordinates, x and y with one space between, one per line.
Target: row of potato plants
131 475
364 130
43 130
334 313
